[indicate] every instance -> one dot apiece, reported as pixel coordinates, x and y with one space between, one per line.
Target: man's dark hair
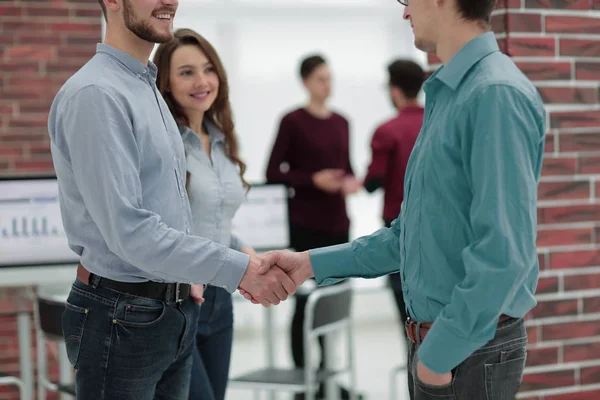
407 76
103 7
476 10
308 65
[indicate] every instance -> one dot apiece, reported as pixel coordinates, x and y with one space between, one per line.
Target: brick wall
42 43
556 43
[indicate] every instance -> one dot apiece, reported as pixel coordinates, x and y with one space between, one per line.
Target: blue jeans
126 347
493 372
212 353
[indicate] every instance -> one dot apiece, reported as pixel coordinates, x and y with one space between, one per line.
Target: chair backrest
329 305
50 317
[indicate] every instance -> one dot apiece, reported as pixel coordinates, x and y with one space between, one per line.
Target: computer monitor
31 230
262 220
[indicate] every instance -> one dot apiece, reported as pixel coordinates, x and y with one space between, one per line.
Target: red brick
591 305
542 356
88 12
25 26
10 151
575 119
87 52
582 282
564 190
559 4
589 165
546 70
587 71
84 40
53 10
571 330
518 22
569 95
590 375
542 261
569 24
31 38
574 259
531 47
579 142
499 22
35 166
559 166
580 47
549 145
547 285
564 237
583 395
501 4
10 11
532 334
19 65
548 380
76 27
545 309
30 53
570 213
581 352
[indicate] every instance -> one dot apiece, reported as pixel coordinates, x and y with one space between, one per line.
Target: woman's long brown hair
220 113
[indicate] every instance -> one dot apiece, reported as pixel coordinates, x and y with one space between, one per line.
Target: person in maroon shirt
311 157
391 146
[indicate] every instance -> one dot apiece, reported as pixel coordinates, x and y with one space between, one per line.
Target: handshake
271 277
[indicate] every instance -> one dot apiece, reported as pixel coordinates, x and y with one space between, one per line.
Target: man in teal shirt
465 239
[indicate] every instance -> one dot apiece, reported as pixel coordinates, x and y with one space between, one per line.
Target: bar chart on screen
31 230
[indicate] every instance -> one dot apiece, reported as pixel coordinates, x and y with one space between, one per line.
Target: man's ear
112 5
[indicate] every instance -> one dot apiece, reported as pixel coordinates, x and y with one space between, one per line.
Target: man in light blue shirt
465 239
130 322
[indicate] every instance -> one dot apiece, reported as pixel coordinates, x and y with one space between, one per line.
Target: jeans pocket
502 380
424 391
73 323
140 313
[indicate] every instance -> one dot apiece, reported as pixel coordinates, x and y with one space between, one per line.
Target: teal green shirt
465 239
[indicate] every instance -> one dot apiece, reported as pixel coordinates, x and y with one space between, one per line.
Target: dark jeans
126 347
494 372
212 353
302 239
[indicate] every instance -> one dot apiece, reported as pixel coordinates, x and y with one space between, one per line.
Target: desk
32 276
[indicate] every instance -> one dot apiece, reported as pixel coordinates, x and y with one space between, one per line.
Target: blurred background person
311 156
193 82
391 146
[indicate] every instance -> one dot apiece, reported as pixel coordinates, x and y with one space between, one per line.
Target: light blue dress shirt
120 163
465 240
215 189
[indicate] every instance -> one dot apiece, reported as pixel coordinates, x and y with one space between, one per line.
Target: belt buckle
177 291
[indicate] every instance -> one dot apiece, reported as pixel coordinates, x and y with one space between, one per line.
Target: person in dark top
311 157
391 146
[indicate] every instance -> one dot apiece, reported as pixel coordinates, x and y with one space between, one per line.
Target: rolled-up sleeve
502 145
366 257
105 160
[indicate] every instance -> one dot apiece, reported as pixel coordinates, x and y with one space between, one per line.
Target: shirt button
144 71
188 231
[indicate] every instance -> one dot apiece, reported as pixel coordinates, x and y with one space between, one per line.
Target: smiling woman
192 80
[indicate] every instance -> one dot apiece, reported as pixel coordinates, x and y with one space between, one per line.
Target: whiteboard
262 220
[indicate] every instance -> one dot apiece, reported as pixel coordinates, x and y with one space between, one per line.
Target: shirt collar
470 54
214 133
131 63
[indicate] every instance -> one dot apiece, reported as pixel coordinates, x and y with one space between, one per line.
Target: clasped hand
271 277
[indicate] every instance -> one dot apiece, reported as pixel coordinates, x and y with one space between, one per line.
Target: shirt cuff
232 271
442 350
333 264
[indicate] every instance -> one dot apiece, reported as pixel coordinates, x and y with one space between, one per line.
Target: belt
412 327
169 292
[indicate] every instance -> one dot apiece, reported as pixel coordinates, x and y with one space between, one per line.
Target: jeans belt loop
418 334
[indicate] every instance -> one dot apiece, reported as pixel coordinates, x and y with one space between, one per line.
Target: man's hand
329 180
197 291
296 265
265 283
429 377
351 185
